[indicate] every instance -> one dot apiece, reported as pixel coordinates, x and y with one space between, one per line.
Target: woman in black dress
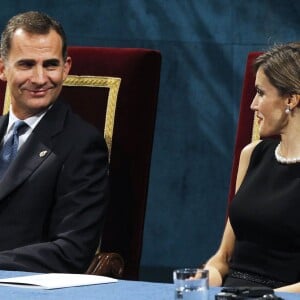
261 241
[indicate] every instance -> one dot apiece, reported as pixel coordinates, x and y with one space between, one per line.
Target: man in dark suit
53 195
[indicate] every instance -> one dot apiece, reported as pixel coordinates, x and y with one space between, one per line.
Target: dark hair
32 22
281 64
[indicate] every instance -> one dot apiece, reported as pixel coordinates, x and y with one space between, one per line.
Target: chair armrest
107 264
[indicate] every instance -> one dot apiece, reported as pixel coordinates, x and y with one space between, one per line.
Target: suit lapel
27 161
3 125
36 149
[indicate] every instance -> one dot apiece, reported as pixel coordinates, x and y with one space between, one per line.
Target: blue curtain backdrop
204 44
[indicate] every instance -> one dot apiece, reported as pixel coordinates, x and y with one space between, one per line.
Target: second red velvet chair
247 126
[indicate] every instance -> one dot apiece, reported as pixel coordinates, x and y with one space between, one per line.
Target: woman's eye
259 92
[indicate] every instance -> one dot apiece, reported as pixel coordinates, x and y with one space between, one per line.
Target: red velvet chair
247 129
116 89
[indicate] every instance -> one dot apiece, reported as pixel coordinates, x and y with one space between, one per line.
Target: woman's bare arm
218 264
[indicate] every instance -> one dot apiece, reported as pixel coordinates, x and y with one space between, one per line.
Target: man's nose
39 75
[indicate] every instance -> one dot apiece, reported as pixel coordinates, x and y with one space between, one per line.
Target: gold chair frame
255 129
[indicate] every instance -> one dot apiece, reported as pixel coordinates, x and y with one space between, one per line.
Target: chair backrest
247 128
116 89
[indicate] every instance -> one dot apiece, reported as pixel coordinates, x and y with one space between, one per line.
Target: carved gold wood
255 129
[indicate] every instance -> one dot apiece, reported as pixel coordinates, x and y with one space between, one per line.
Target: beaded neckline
284 160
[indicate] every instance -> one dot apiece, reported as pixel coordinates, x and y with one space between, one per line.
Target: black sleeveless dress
265 216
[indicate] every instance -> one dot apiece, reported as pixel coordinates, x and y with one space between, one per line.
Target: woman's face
269 106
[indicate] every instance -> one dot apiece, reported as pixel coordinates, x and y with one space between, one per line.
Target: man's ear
2 70
67 67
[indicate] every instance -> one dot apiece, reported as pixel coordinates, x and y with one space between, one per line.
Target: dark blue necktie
10 148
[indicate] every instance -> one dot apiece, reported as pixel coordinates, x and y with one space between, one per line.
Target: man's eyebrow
52 61
25 60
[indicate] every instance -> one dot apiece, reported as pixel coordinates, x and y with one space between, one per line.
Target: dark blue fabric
122 290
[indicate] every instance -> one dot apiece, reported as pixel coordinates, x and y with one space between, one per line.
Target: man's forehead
36 46
43 40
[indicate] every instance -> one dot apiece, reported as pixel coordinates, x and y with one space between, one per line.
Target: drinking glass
191 284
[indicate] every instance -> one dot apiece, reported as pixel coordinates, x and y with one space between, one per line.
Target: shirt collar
31 121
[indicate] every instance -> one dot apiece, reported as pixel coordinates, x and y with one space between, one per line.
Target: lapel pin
43 153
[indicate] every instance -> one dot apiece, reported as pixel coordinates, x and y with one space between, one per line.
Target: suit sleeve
76 219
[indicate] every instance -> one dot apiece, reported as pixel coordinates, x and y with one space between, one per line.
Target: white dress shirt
31 122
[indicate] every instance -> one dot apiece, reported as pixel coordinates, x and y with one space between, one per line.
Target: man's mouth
36 92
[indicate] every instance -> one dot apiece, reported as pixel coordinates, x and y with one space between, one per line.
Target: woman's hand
293 288
214 276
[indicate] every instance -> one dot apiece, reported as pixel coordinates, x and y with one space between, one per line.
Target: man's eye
51 65
25 64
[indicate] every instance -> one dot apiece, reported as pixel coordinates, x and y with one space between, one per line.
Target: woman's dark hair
281 64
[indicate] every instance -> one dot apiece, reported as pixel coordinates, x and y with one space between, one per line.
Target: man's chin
36 108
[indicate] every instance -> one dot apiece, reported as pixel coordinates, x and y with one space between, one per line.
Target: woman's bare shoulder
248 149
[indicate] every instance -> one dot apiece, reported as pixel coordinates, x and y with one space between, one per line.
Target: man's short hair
32 22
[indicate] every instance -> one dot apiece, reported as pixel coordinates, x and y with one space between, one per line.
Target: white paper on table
55 280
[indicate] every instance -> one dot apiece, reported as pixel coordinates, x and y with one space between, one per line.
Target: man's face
34 71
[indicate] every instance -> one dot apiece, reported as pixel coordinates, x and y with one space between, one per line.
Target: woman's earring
287 110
